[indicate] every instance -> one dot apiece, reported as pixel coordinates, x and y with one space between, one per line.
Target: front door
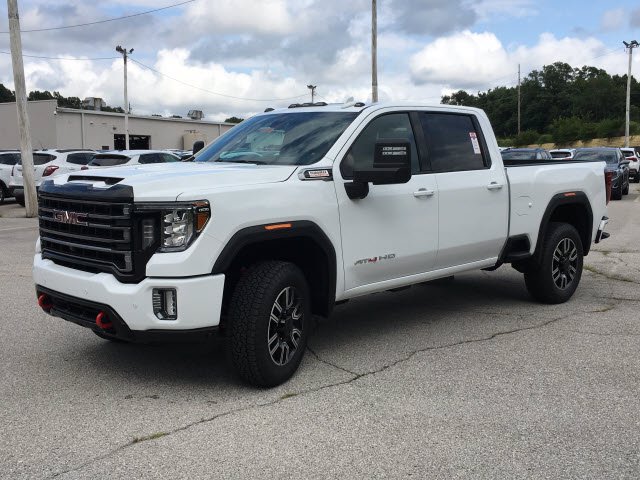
393 232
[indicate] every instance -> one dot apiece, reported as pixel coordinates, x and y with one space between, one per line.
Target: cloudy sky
238 57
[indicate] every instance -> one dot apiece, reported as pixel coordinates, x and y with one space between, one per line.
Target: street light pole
313 92
630 46
374 51
125 55
26 150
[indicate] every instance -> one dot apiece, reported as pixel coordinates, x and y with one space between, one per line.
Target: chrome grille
101 241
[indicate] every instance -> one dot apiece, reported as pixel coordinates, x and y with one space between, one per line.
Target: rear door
40 162
473 205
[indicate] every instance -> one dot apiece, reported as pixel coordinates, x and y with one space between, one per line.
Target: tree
6 95
233 120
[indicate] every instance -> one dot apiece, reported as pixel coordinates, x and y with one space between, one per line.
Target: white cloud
488 9
479 61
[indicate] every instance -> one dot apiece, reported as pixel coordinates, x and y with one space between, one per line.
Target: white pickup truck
296 209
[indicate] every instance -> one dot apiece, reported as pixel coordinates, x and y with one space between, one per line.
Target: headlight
180 223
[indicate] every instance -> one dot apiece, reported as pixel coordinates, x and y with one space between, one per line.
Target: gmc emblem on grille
70 218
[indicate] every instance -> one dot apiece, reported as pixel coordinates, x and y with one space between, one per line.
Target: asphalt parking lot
466 380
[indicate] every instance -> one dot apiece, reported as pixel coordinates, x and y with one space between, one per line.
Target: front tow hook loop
102 321
44 302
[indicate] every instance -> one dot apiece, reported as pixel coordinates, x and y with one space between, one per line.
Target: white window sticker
474 142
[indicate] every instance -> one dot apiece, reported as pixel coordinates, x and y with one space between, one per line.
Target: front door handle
494 186
423 192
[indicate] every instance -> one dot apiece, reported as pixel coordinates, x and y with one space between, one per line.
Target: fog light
165 303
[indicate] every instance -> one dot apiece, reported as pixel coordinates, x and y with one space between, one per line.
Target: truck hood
166 181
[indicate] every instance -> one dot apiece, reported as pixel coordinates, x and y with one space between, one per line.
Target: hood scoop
94 179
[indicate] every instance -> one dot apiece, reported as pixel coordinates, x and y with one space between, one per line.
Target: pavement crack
326 362
594 270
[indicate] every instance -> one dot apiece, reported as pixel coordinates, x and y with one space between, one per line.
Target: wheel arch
573 208
303 243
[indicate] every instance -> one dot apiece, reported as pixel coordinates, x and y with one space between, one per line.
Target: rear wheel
269 319
3 193
20 199
625 191
556 276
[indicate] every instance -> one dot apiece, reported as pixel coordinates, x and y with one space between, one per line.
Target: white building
56 127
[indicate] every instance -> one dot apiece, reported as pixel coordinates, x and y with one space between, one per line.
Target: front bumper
199 299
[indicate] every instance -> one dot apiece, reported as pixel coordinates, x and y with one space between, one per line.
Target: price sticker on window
474 142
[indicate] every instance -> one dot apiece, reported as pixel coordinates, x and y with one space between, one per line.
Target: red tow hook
44 302
102 321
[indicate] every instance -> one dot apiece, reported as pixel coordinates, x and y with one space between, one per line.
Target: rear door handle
423 192
494 186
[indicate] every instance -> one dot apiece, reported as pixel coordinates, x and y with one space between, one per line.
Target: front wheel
557 275
269 316
625 191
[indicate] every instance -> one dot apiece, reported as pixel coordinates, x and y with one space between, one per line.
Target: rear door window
454 142
9 159
42 158
149 158
80 158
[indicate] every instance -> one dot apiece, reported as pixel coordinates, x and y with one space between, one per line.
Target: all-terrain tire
251 323
556 276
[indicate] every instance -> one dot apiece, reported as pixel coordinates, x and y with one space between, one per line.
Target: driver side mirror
391 165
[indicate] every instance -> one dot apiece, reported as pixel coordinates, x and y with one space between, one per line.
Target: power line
106 20
215 93
63 58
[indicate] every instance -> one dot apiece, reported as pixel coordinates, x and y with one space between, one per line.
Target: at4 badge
380 258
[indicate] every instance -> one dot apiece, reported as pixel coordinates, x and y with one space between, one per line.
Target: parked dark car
617 166
525 155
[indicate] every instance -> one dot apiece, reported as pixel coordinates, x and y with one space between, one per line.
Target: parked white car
634 165
46 164
562 153
126 158
8 158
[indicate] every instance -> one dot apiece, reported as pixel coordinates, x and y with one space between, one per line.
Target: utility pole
374 51
26 150
519 99
125 55
313 92
630 46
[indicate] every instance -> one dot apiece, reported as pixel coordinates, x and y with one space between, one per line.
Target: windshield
279 139
596 155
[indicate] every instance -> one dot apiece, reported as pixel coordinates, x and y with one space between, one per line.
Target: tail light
608 181
49 170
